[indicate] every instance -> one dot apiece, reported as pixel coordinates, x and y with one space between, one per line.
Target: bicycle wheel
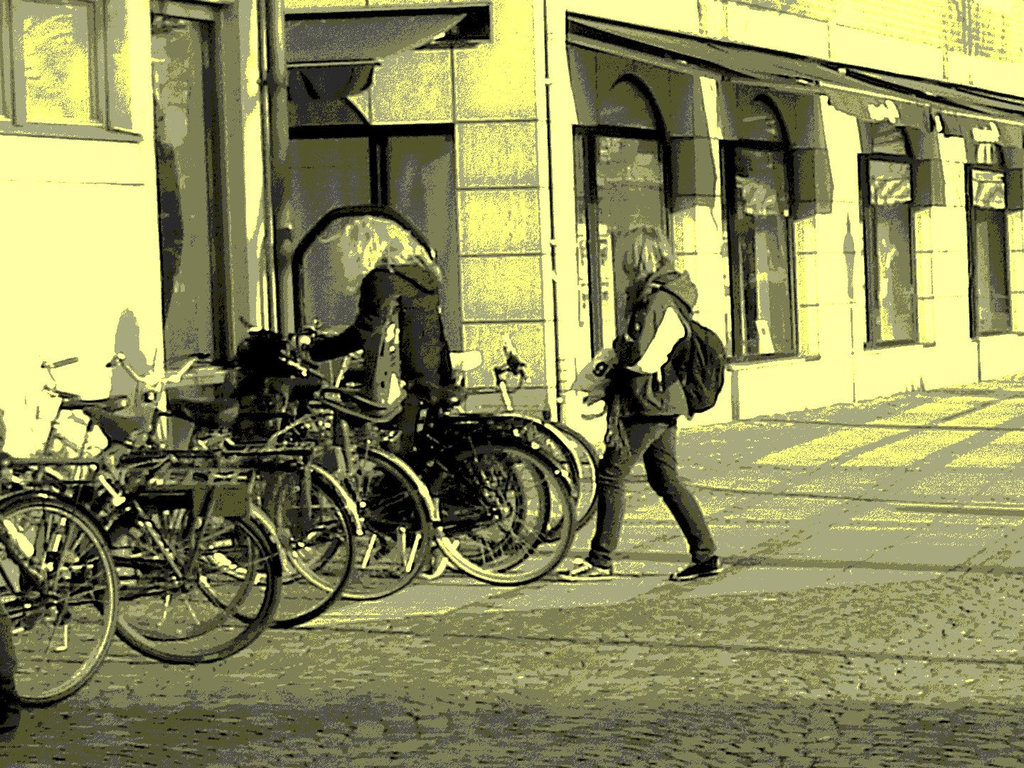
195 598
496 504
588 458
395 509
60 590
311 517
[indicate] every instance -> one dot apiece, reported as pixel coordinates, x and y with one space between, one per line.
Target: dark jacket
426 357
659 310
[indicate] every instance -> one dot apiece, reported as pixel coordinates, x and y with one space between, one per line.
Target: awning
975 114
332 53
863 93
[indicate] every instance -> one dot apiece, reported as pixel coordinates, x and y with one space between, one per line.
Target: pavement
870 615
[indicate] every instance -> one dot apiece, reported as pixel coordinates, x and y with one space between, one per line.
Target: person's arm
661 330
371 303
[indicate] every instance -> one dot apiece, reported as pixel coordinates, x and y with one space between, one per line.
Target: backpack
699 363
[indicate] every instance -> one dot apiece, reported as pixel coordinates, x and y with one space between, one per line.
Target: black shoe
10 719
709 567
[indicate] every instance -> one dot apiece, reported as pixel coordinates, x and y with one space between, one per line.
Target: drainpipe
280 179
267 275
559 363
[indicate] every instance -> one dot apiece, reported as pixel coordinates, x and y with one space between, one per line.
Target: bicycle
58 582
199 579
306 513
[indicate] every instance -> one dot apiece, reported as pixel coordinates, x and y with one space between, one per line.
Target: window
988 277
620 183
758 209
63 65
191 220
886 199
409 169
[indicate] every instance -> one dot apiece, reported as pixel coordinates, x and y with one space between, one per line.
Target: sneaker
709 567
584 570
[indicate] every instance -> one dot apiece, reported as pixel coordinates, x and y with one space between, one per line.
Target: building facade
843 181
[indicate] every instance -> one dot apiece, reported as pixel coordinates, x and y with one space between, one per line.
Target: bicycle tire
68 551
235 550
495 507
395 510
314 529
588 458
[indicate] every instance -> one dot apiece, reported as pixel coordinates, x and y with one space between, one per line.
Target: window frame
869 221
737 305
972 262
379 161
13 118
588 135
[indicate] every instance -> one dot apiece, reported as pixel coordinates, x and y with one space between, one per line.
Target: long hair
645 251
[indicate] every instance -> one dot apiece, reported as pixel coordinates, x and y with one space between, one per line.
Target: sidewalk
899 488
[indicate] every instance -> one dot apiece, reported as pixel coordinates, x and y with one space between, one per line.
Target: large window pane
630 192
190 220
57 45
421 186
763 289
892 304
991 297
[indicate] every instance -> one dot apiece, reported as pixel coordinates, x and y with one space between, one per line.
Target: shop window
408 169
758 170
63 67
987 242
620 184
886 202
191 221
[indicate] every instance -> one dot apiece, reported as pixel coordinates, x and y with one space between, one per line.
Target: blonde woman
647 399
401 268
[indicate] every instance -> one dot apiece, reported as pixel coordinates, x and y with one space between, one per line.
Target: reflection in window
188 197
57 40
891 295
411 172
989 275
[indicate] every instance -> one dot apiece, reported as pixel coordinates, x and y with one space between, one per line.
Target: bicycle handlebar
149 380
59 363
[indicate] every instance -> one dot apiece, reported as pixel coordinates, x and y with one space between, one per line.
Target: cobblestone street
870 616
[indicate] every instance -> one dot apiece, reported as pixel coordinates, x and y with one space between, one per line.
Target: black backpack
699 361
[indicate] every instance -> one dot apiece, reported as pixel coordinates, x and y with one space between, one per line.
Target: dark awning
332 53
863 93
334 37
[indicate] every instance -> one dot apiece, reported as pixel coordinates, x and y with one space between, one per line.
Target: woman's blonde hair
645 251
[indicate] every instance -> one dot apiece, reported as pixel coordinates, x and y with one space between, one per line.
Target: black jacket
658 393
426 357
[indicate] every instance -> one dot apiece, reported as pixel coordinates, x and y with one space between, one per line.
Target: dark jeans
655 441
7 700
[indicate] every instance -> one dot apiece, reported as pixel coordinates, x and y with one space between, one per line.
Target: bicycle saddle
206 414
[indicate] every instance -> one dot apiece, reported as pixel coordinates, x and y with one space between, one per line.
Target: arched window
988 278
758 206
886 204
620 183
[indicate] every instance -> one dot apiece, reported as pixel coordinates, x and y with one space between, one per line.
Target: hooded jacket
659 310
424 350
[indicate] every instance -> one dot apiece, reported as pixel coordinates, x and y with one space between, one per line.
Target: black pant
7 666
655 441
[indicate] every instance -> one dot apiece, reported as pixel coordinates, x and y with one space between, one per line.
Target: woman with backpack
645 399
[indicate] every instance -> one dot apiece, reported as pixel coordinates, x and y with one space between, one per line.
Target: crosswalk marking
927 413
909 450
827 448
992 415
1006 450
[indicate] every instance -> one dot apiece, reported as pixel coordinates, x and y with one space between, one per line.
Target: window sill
882 345
764 360
79 132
